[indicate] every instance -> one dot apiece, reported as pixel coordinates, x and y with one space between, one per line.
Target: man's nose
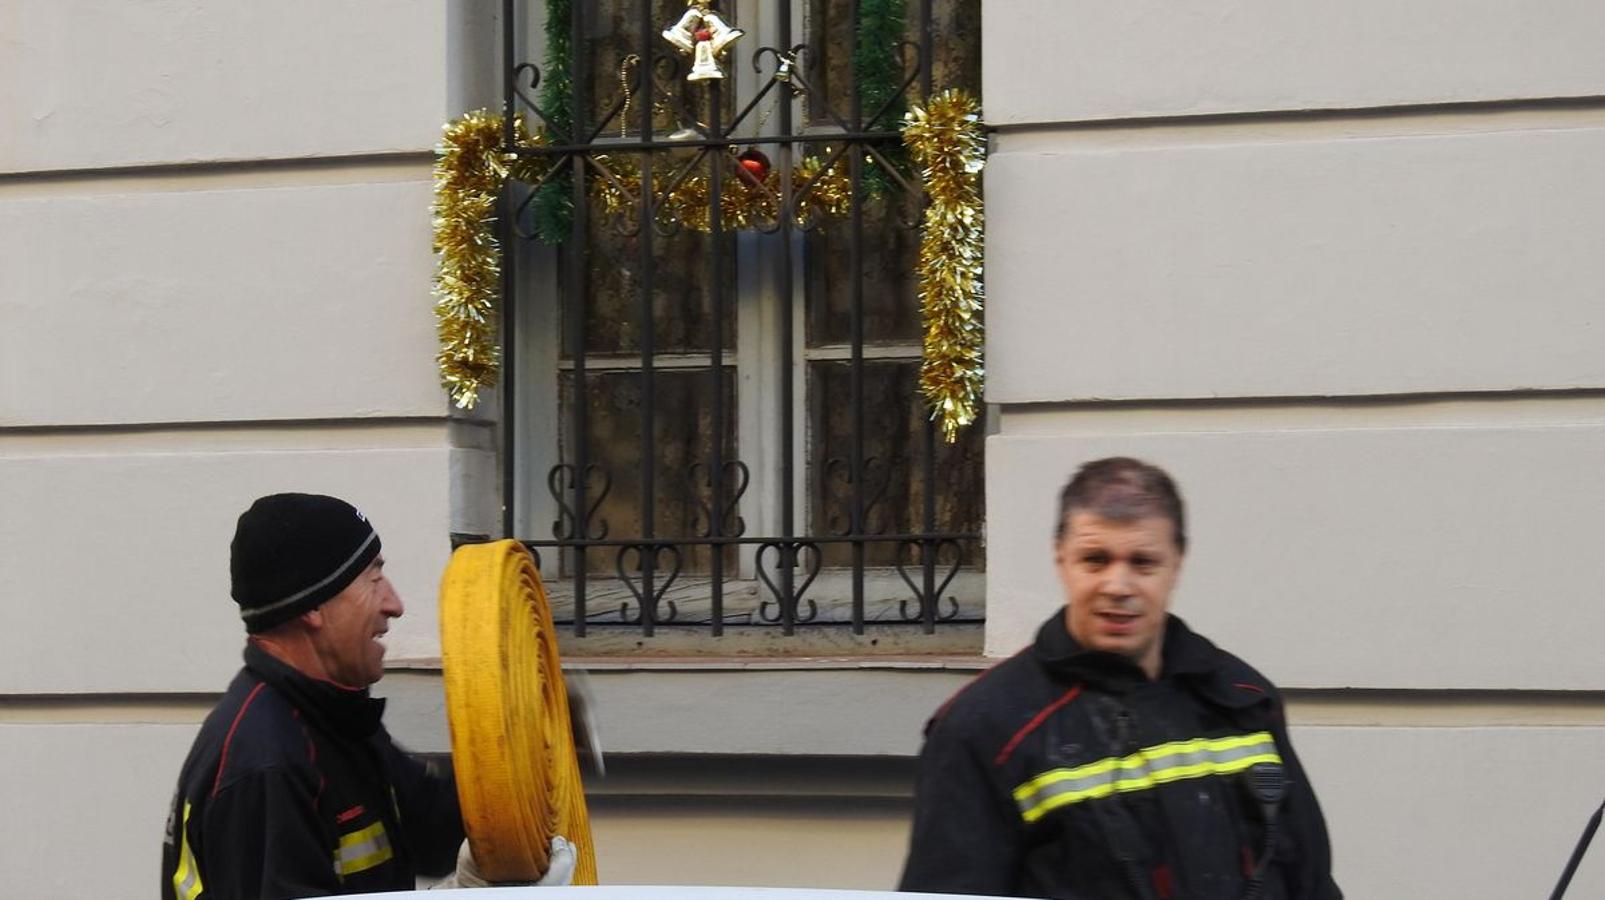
391 605
1117 580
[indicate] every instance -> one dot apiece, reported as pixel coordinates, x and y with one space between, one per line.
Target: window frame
533 347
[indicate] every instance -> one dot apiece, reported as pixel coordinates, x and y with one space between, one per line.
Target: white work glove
559 864
559 868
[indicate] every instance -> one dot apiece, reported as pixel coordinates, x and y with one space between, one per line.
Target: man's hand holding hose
559 872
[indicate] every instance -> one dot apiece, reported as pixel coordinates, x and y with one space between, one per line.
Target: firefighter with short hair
1121 755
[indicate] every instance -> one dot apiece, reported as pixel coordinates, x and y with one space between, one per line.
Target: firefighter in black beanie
293 788
1121 755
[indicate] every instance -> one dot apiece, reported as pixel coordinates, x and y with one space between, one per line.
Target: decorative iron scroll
573 155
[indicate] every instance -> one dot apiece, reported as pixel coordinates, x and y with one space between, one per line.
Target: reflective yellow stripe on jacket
1147 768
362 850
187 877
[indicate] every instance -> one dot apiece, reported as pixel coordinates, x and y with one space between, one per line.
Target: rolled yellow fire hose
518 777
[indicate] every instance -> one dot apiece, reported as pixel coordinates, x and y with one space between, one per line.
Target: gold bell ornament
703 34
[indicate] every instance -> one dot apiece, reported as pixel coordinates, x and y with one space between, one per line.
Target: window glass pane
891 238
681 289
888 252
602 284
615 33
895 482
681 283
682 429
955 59
956 49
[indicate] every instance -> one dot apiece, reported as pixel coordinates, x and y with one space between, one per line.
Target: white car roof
657 892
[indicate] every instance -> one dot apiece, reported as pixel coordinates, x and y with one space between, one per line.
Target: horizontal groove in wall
1445 709
1284 125
1533 408
217 175
611 664
600 798
672 777
1306 707
473 434
105 709
222 437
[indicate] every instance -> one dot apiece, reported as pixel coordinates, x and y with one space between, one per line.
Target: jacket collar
349 712
1185 654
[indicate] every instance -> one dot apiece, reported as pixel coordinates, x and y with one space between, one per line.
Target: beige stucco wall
216 285
1337 269
101 83
1418 810
731 827
219 287
1081 60
1364 339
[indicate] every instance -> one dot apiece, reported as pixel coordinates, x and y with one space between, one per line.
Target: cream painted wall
1075 60
218 287
1366 556
1427 814
101 83
180 336
1311 261
806 709
146 392
244 303
1336 268
1298 259
856 844
1467 812
73 781
85 806
128 555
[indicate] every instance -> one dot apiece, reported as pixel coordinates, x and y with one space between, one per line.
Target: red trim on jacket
942 710
1037 720
1164 882
222 760
312 756
350 814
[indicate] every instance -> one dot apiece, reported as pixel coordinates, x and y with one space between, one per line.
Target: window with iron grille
722 443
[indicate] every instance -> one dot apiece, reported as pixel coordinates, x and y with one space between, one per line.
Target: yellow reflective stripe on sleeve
362 850
187 877
1147 768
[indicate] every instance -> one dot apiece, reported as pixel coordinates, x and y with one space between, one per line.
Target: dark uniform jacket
1067 773
294 789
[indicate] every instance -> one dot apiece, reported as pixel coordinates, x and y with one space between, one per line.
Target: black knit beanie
292 552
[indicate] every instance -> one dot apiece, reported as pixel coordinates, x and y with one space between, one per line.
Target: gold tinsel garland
948 143
945 138
745 201
469 173
468 178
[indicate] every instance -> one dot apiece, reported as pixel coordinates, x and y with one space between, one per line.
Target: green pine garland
554 200
881 26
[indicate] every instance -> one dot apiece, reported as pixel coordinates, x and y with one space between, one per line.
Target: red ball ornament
703 34
754 165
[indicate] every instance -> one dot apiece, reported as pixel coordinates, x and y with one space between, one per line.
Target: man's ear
312 618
